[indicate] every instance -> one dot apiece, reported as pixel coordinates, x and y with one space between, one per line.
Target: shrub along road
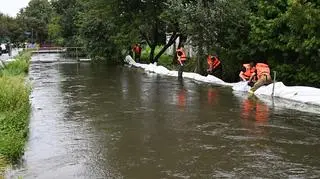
14 109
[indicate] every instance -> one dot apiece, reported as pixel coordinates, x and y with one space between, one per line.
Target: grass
164 60
18 67
14 109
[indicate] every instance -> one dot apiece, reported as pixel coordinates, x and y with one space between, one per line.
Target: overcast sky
12 7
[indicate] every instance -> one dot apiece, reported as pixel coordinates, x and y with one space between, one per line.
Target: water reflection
181 96
254 116
253 108
213 95
116 122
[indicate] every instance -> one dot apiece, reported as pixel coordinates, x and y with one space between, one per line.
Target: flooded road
93 121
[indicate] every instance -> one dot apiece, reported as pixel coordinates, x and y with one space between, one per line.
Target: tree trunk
200 55
152 47
172 40
174 56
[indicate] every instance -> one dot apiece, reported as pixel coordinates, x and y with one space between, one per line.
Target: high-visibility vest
183 56
248 71
262 69
213 63
216 63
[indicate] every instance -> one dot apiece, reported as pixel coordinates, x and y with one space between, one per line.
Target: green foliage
297 75
211 26
166 61
18 67
239 31
66 21
14 108
96 28
35 19
55 30
146 50
9 29
3 165
230 66
145 54
14 112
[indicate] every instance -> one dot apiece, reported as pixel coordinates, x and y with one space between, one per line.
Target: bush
297 75
14 113
166 61
3 164
14 108
146 52
18 67
13 93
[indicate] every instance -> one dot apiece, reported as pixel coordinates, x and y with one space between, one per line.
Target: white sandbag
241 86
302 94
129 60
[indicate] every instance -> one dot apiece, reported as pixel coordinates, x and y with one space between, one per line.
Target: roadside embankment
14 108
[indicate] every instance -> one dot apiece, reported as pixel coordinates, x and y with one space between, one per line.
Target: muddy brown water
93 121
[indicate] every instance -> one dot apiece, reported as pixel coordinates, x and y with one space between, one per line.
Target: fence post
274 82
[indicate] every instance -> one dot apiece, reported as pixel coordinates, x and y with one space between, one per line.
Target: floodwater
93 121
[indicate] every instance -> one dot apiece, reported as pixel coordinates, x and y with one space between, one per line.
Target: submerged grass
14 109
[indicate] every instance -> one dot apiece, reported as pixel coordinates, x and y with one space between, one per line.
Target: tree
55 30
287 31
211 26
35 19
282 31
66 19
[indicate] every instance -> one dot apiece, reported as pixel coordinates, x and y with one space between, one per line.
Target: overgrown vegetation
3 164
14 108
297 75
17 67
283 32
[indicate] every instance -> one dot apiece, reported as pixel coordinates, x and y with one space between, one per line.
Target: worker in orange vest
214 66
263 74
247 70
182 57
246 73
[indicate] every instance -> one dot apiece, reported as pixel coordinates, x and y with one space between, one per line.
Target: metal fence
78 53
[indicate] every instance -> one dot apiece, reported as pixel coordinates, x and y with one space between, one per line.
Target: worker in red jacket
137 52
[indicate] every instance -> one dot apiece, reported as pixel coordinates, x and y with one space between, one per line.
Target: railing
79 53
